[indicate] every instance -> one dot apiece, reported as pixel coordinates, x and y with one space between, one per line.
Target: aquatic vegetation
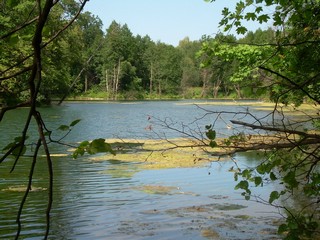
22 188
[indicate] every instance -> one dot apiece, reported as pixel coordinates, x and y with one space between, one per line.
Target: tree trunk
238 90
151 79
114 81
204 83
107 81
117 79
85 82
216 88
159 89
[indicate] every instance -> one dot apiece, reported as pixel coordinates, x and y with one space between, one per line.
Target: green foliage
120 64
211 135
96 146
17 147
68 127
298 226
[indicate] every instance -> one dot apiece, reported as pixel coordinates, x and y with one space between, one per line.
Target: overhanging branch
293 84
274 129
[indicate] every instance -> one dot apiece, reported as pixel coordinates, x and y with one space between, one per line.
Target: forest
88 61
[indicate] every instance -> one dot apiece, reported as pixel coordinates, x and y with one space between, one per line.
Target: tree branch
18 28
297 86
274 129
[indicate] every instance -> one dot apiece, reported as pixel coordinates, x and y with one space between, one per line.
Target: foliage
286 65
32 66
96 146
116 62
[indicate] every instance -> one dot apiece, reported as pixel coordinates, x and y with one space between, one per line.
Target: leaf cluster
96 146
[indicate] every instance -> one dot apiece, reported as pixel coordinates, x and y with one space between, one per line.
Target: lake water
92 203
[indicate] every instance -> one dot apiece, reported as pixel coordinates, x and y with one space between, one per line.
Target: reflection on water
96 200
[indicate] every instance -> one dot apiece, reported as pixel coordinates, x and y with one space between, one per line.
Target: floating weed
210 233
242 217
22 188
229 207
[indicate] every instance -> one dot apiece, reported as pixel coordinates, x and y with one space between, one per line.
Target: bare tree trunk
204 83
216 88
107 81
114 82
238 90
85 83
151 78
117 79
159 88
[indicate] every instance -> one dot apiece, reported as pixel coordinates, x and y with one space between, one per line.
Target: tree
91 38
118 49
166 69
293 146
28 33
189 65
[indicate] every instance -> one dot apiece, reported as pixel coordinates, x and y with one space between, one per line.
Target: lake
120 200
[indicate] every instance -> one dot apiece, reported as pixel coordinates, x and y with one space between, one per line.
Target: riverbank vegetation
288 65
87 61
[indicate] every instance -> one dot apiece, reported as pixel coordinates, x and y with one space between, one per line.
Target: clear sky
168 21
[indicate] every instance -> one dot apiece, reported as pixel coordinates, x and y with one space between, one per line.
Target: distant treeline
114 64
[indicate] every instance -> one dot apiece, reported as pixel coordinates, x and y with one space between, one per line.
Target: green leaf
277 19
211 134
99 145
75 122
257 181
14 39
84 143
235 176
17 144
241 30
246 173
9 146
261 169
290 179
227 27
81 149
273 176
208 127
250 16
47 133
269 2
259 9
213 144
242 185
225 11
240 6
263 18
282 228
273 196
19 150
64 128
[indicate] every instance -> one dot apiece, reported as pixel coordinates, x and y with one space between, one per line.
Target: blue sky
168 21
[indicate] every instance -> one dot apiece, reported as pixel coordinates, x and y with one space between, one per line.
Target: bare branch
26 69
28 187
274 129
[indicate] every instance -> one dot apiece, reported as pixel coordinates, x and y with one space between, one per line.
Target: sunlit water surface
91 202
